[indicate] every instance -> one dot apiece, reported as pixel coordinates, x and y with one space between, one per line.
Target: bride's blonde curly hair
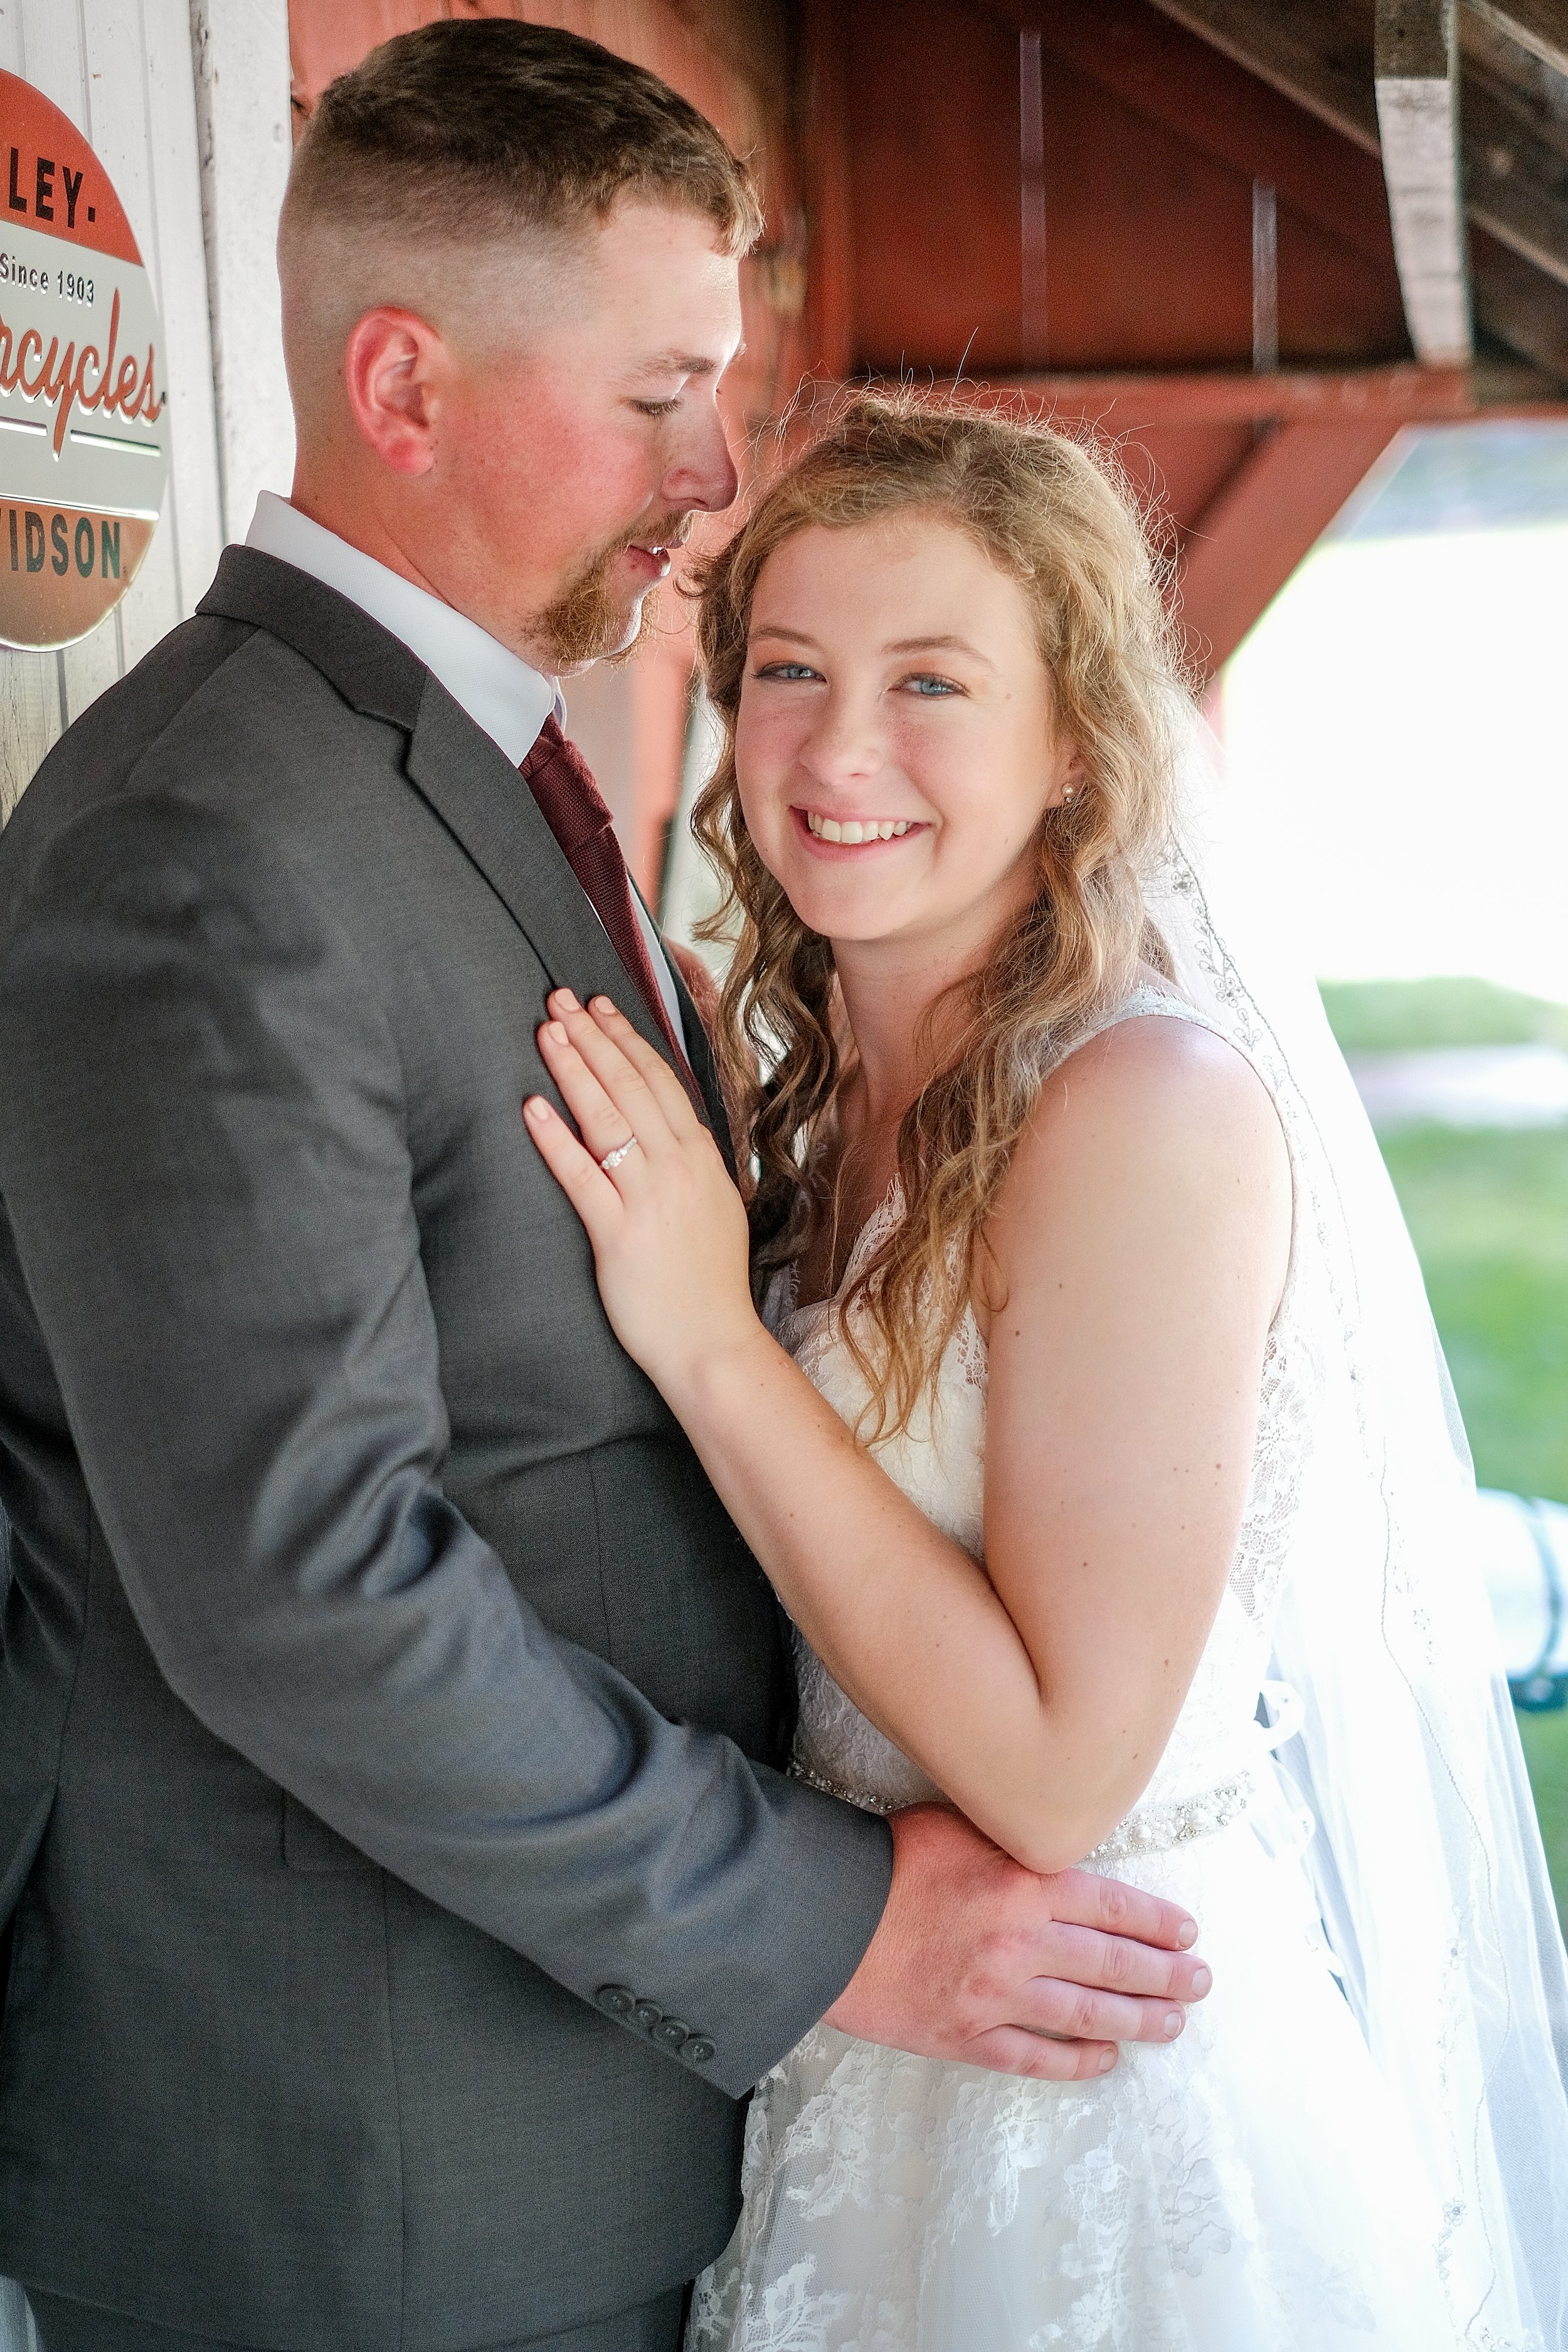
1062 524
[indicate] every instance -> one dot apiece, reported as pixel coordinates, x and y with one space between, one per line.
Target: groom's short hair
486 133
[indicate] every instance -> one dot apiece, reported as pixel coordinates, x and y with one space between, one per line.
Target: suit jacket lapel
482 800
461 773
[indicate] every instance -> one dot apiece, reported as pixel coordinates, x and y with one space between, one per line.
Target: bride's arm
1141 1244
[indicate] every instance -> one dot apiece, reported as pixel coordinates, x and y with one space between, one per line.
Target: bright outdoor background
1395 736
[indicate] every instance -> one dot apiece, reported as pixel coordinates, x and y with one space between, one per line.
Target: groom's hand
978 1959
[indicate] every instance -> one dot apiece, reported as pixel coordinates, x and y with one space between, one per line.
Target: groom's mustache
584 624
671 532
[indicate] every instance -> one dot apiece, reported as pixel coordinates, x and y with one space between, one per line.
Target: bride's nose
843 746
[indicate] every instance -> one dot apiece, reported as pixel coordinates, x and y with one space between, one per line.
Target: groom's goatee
585 625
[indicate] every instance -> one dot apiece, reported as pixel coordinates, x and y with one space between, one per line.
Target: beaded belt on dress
1152 1829
1156 1829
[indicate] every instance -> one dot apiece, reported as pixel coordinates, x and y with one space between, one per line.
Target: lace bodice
939 1462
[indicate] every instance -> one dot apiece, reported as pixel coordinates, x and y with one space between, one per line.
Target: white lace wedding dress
1249 2188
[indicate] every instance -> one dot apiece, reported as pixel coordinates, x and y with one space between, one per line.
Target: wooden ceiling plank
1223 114
1519 304
1512 176
1512 301
1274 43
1512 182
1518 202
1418 56
1539 26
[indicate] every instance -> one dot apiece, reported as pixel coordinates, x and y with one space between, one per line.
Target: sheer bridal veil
1424 1850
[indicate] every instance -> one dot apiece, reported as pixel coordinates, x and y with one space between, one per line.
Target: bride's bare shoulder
1154 1065
1155 1122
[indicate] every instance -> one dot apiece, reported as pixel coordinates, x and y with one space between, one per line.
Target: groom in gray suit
404 1886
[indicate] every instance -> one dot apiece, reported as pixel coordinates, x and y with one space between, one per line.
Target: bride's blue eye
786 670
926 683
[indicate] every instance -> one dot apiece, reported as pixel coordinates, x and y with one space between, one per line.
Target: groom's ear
392 366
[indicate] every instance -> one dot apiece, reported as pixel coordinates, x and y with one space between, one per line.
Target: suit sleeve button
671 2033
647 2014
615 2001
699 2050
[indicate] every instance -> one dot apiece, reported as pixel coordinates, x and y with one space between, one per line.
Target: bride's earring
1069 794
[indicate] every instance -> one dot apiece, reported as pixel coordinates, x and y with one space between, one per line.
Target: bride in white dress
1116 1504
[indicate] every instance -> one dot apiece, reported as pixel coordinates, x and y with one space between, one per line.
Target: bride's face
895 746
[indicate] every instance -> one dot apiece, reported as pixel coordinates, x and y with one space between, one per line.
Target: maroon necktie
571 806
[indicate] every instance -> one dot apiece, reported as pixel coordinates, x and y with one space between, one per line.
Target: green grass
1487 1211
1399 1016
1545 1738
1488 1214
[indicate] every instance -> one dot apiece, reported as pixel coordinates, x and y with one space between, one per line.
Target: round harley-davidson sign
83 399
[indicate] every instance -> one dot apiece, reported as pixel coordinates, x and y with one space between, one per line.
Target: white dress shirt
498 690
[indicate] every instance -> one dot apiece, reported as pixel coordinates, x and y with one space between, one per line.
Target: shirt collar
499 692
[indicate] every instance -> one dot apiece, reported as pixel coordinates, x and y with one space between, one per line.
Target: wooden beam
1417 58
1539 26
1128 401
1416 40
1404 395
1262 524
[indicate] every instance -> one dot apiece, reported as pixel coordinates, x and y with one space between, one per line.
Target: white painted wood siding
245 133
123 70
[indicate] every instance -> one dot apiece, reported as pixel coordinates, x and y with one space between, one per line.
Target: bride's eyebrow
771 629
939 645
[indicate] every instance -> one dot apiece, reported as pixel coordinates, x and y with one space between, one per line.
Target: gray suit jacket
405 1890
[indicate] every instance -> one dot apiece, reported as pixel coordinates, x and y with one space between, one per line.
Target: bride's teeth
851 831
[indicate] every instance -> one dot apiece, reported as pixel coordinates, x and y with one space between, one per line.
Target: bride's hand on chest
666 1226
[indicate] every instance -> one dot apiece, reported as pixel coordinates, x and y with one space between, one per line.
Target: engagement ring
622 1151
